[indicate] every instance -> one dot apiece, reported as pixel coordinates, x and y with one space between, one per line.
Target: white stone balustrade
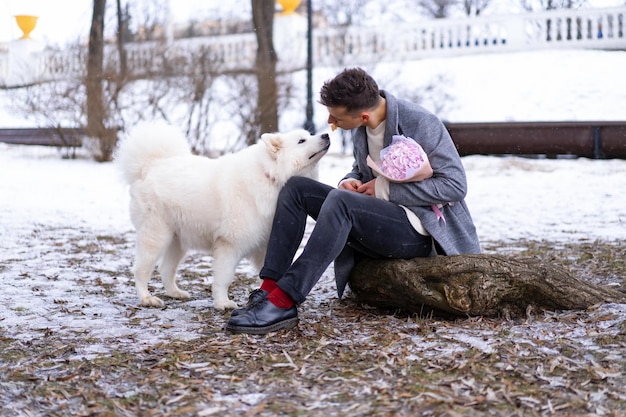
556 29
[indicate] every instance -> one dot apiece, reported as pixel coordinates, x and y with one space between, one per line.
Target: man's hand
368 188
357 186
350 185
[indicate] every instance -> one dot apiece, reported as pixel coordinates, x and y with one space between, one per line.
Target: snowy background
67 242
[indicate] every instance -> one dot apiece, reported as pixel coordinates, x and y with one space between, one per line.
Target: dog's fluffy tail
146 143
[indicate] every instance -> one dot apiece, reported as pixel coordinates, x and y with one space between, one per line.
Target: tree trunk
96 111
121 35
473 285
266 59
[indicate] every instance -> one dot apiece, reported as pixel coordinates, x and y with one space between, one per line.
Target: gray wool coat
455 235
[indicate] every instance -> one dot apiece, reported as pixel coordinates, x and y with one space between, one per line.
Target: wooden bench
599 140
60 137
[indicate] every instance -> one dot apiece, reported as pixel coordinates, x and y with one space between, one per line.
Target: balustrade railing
587 28
591 29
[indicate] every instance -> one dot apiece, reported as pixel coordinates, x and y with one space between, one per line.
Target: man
366 215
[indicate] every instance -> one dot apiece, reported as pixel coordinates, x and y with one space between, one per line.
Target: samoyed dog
222 206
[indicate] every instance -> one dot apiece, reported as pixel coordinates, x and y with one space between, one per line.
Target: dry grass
342 359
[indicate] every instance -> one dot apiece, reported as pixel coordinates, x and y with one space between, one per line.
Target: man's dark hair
353 89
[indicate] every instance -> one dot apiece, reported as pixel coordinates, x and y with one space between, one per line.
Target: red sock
280 298
268 285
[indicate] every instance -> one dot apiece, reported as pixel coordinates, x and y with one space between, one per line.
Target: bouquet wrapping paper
402 161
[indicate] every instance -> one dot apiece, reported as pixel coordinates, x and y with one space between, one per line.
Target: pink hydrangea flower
402 159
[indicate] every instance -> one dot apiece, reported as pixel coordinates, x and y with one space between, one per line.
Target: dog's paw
151 301
222 305
179 294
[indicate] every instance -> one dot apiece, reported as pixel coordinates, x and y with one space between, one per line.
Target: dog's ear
272 141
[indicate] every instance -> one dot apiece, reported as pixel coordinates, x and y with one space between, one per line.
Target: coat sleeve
359 151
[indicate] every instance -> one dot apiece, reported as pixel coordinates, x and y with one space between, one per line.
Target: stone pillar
25 54
290 37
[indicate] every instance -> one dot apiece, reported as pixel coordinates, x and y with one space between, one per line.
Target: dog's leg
225 260
149 247
169 264
258 258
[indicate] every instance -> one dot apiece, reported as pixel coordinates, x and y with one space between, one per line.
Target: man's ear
365 116
272 141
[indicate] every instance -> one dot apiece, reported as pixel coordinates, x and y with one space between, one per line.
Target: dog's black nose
325 136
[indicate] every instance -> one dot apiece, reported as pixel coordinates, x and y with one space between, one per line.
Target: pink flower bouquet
402 161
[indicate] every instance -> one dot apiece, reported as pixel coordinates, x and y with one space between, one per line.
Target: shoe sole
285 324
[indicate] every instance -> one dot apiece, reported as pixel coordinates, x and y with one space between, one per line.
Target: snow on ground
67 241
58 207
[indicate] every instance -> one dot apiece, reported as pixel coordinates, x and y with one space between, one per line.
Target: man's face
341 118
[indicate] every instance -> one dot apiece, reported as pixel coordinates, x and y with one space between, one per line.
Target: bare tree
149 19
475 7
171 83
266 59
439 9
242 95
96 110
343 13
531 5
122 28
197 81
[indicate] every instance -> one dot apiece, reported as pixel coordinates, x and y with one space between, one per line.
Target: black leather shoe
255 296
262 318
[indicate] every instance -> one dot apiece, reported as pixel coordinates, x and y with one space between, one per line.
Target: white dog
222 206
